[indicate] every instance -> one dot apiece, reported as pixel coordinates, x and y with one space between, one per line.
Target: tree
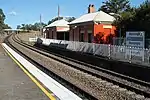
2 16
54 19
2 24
121 22
135 19
115 6
35 26
70 19
99 38
6 26
18 26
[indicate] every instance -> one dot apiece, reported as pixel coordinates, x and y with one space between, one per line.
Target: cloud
13 13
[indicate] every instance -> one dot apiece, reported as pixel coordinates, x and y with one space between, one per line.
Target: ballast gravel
97 87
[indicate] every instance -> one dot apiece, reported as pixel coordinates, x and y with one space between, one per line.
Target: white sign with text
135 40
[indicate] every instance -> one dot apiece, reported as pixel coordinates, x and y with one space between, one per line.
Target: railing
124 53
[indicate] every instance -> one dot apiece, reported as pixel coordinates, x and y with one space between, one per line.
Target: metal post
109 51
120 37
148 55
93 48
130 56
143 54
64 41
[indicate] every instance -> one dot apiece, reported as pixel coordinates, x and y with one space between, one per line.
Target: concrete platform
14 83
58 91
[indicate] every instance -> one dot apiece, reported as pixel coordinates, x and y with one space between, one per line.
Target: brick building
92 27
57 30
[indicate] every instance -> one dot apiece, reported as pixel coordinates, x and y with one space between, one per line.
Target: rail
93 70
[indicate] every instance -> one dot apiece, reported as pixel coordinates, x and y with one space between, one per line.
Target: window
73 35
48 34
81 37
89 37
52 34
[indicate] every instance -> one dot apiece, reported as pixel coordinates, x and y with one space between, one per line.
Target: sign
107 26
62 29
32 39
135 39
136 42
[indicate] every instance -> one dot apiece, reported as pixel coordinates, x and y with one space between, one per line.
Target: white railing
124 53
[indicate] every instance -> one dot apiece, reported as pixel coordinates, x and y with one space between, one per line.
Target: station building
57 30
92 26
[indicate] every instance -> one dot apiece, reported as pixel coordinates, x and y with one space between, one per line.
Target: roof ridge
96 15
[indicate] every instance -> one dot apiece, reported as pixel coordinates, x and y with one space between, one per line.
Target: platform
14 83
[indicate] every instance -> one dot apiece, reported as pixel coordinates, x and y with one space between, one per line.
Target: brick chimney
91 8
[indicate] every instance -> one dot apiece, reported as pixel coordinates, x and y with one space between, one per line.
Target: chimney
91 9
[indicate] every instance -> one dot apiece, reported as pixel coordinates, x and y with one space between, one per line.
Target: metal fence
122 41
123 53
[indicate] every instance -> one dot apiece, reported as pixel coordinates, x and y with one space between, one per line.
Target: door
89 37
81 37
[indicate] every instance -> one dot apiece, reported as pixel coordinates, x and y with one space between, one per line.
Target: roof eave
80 22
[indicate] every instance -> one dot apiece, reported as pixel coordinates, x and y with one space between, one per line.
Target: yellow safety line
50 95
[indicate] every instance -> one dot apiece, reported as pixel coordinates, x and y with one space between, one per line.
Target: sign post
135 40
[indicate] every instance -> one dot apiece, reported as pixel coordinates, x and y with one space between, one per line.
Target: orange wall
98 29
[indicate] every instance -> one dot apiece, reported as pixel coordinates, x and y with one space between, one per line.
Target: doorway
63 36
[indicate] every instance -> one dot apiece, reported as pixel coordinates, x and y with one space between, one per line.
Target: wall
105 29
49 33
95 29
76 29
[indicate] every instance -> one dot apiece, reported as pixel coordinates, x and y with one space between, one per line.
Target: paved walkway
14 83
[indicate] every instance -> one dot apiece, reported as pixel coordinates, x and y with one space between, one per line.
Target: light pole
118 16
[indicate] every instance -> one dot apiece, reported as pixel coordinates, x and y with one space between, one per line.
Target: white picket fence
124 53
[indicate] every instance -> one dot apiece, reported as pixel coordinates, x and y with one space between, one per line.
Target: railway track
81 93
138 86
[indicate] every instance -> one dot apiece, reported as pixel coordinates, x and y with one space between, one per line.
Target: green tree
115 6
70 19
6 26
123 21
138 19
18 26
2 24
2 16
54 19
35 26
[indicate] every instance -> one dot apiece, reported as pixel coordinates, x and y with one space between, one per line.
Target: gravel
97 87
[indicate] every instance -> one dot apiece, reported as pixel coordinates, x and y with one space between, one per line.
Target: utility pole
58 12
40 24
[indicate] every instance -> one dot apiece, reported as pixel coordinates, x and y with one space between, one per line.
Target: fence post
130 55
143 49
93 49
64 44
73 45
109 51
148 56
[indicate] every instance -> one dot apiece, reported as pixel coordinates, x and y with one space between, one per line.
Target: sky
28 11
